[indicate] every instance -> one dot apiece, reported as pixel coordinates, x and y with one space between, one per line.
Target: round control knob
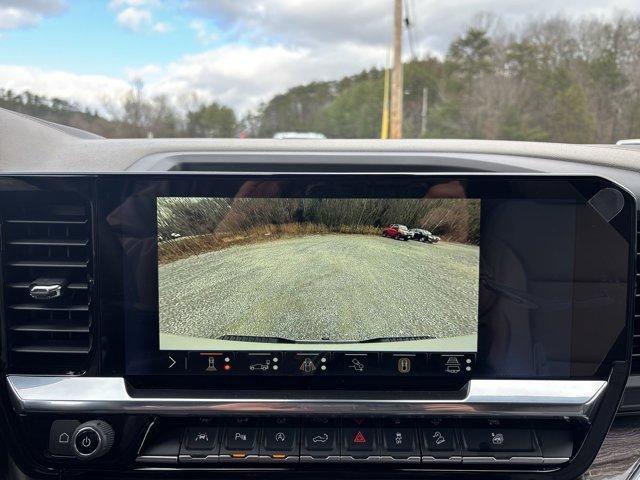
92 439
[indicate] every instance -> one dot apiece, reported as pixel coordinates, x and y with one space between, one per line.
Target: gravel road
331 287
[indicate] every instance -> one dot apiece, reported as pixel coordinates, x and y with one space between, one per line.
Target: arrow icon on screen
173 362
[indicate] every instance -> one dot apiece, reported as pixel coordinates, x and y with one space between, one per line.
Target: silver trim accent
204 459
144 438
431 459
368 459
521 398
157 459
45 292
286 459
392 459
75 436
554 460
228 458
310 459
511 460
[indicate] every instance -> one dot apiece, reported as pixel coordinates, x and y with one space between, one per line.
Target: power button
92 439
87 441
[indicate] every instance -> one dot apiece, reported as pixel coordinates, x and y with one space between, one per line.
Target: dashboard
413 309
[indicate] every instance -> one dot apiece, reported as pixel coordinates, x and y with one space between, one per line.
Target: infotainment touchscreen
347 274
362 281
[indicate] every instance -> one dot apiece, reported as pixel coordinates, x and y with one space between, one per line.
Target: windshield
535 71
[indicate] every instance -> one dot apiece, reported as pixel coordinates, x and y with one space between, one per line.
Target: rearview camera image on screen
308 273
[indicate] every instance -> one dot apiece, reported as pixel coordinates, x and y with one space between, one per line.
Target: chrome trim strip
511 460
391 459
431 459
310 459
157 459
224 458
286 459
191 459
368 459
522 398
144 438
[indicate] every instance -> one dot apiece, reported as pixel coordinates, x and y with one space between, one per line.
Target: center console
287 322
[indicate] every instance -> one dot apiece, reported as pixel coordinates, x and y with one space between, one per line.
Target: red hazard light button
360 439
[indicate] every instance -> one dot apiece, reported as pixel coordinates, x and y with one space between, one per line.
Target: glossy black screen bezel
112 189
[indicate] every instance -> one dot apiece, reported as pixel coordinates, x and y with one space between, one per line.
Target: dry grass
185 247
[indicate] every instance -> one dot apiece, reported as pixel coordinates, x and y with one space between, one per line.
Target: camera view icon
211 364
439 438
497 438
260 366
404 365
324 438
357 365
452 365
307 366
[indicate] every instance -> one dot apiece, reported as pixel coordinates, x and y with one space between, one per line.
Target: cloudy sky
238 52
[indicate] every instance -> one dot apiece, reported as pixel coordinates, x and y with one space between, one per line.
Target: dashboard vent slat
50 307
71 286
47 264
51 347
52 221
51 327
54 242
46 240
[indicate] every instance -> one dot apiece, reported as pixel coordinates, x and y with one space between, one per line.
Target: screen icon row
321 363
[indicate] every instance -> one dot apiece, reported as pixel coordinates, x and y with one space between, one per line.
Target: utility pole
384 130
396 75
423 114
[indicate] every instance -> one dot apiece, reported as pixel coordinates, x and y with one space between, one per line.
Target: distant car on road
299 136
397 232
422 235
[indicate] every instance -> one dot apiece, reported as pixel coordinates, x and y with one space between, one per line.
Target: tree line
557 79
456 220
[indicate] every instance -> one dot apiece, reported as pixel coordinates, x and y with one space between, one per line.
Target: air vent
635 364
47 273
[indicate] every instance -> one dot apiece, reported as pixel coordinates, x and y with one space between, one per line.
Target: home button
60 437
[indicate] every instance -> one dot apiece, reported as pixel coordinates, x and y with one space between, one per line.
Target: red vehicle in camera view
397 232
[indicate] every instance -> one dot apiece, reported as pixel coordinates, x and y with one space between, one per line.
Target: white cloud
243 77
200 29
323 24
160 27
236 75
134 19
16 14
93 91
137 16
116 4
143 73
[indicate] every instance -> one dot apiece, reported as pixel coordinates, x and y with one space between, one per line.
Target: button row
312 364
353 441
